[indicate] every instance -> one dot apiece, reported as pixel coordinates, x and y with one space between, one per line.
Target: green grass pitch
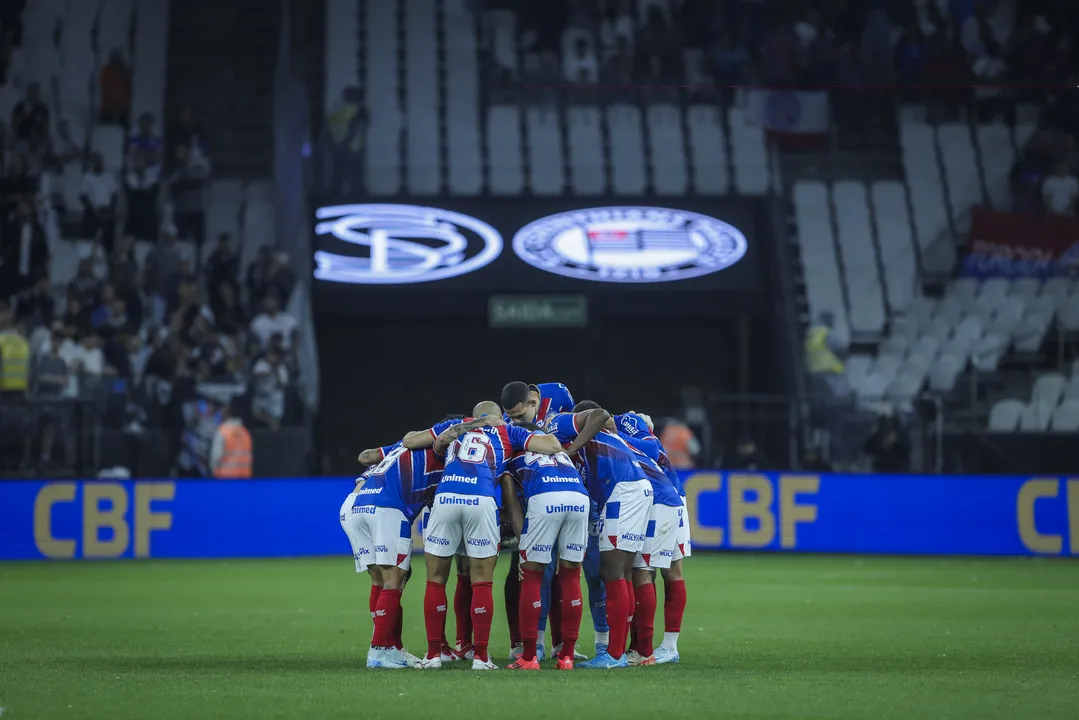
765 636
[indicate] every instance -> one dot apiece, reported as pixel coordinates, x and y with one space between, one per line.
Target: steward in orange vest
230 455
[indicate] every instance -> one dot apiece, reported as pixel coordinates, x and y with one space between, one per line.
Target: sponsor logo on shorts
478 542
666 553
565 509
445 500
364 510
633 537
437 540
459 479
381 549
574 547
648 493
540 548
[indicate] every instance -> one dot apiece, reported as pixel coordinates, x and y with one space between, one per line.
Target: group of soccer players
577 488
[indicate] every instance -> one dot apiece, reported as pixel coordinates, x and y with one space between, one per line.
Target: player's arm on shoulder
587 424
511 506
537 442
419 439
371 456
457 430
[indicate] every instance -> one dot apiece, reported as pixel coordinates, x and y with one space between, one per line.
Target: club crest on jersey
630 244
390 244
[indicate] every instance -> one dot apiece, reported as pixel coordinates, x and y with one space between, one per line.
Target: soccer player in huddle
377 518
555 529
638 429
616 481
522 402
467 502
661 541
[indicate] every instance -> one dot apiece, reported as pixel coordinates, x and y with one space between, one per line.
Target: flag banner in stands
792 114
1013 245
790 512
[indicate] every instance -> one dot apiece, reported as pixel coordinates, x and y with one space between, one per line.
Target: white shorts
354 541
468 520
625 517
661 538
555 520
682 549
425 521
383 535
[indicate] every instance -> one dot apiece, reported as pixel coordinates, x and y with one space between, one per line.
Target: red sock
644 618
399 624
529 608
674 605
434 617
372 599
631 629
617 616
483 607
389 607
512 597
554 612
569 583
462 609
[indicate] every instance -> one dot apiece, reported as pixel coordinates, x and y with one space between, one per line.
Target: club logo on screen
630 244
402 244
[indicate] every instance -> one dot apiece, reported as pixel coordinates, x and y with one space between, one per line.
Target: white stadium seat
708 145
750 154
892 219
960 167
543 145
626 149
1066 417
815 238
588 173
504 161
1048 389
462 111
926 185
1036 416
1004 417
667 150
858 260
998 156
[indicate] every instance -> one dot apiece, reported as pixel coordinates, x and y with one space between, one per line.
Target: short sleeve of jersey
566 399
518 437
441 427
563 427
387 449
632 425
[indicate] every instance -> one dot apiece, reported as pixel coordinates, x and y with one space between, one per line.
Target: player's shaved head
585 405
487 407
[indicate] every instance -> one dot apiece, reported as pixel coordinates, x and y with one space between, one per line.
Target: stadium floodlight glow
405 244
626 244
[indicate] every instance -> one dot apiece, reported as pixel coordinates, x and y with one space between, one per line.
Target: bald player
467 502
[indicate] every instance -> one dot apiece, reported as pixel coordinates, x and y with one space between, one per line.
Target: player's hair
585 405
453 416
514 393
528 425
486 407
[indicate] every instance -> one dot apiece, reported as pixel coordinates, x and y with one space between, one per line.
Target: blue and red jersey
540 474
554 398
400 480
476 460
635 430
607 458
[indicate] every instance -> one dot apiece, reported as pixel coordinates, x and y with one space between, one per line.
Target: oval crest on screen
629 244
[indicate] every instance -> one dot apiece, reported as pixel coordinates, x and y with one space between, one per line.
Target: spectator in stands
230 315
746 457
186 182
51 379
617 28
17 186
36 307
123 267
729 60
582 66
222 266
910 58
619 69
347 127
30 113
271 321
146 143
188 133
1060 191
98 197
162 273
34 150
271 380
64 148
269 273
142 187
115 81
889 446
814 461
230 453
29 250
824 349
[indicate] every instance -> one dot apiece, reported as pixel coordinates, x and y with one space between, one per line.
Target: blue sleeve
631 425
567 399
648 445
563 427
518 437
441 427
386 450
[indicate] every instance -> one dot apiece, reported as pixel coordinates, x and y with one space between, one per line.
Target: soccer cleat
601 648
576 655
411 659
604 661
522 664
563 664
449 654
481 665
635 658
517 651
434 663
464 652
385 658
664 656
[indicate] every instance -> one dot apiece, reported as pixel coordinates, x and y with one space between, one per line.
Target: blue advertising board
890 514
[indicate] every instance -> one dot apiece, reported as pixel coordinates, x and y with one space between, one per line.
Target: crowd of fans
128 342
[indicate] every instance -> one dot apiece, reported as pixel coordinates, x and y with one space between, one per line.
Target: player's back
664 491
538 474
401 480
475 461
608 459
554 398
658 468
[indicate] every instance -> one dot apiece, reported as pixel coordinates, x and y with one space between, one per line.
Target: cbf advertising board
889 514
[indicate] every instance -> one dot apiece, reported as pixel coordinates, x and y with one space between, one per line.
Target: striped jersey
538 474
476 460
400 481
607 458
635 430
